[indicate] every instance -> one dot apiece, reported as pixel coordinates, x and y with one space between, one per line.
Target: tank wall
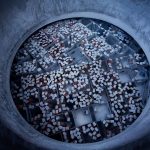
18 18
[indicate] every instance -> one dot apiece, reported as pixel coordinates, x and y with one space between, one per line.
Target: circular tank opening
80 80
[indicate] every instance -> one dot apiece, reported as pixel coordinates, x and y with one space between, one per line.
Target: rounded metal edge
48 143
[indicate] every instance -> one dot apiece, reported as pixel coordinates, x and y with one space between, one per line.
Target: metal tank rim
34 137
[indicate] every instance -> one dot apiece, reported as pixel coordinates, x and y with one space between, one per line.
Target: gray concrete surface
18 19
